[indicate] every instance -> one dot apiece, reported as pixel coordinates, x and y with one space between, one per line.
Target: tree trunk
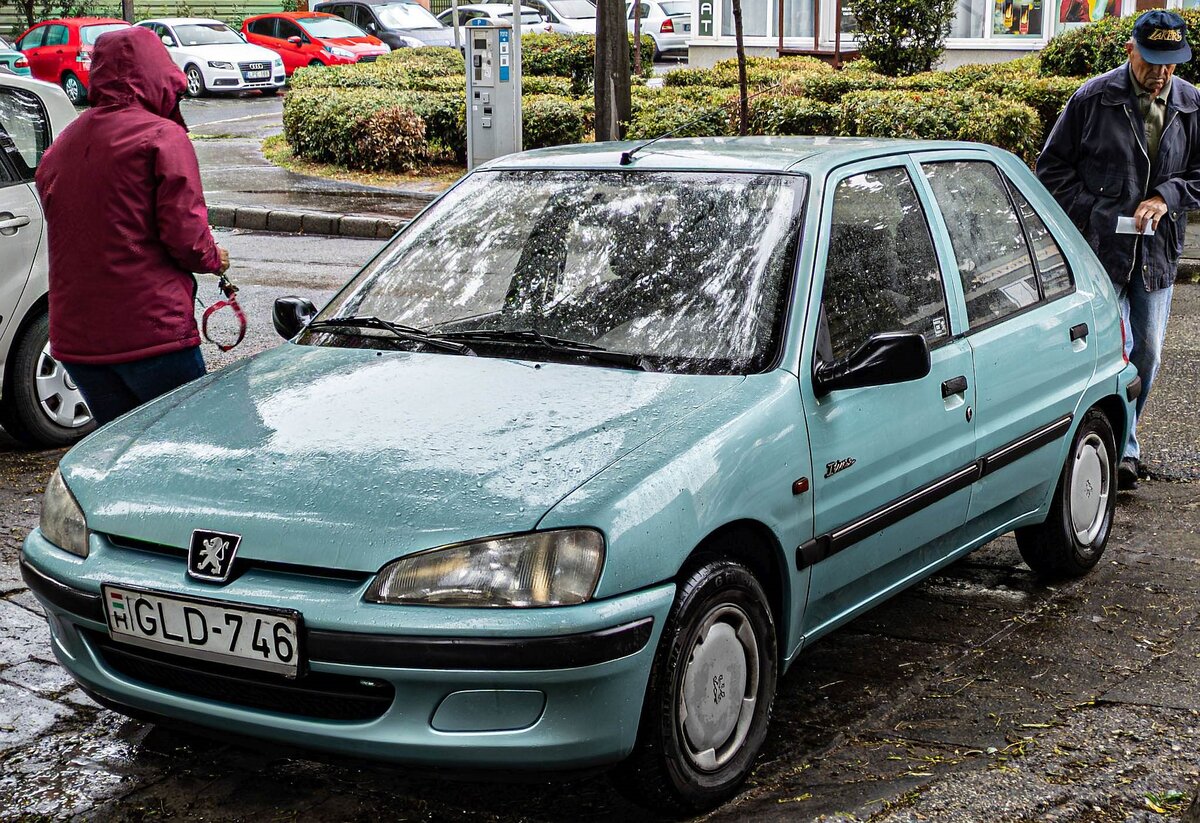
127 10
637 36
743 90
612 71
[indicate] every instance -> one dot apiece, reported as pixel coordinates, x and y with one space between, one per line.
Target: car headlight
62 520
278 64
336 52
220 64
552 568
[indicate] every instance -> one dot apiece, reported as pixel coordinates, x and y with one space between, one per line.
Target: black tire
270 92
22 413
73 86
195 81
674 768
1071 541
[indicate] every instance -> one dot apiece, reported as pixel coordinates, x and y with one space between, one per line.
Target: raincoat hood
131 67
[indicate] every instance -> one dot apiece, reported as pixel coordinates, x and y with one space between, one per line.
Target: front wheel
195 81
708 704
73 86
1075 533
42 405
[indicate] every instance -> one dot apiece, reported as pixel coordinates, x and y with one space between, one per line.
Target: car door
24 136
55 53
294 55
897 460
29 45
1027 325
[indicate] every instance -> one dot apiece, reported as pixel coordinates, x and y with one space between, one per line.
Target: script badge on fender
210 555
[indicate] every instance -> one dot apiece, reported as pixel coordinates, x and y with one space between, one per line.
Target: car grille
246 68
316 694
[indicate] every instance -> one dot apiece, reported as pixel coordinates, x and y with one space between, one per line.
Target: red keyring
231 301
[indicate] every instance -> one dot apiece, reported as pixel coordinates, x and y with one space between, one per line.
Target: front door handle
10 223
1079 332
953 386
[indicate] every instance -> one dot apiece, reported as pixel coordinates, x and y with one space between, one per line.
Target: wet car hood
348 458
354 44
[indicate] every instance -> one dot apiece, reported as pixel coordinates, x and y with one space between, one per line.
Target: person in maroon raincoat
127 225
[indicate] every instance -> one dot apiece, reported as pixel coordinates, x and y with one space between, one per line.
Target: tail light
21 63
668 27
83 57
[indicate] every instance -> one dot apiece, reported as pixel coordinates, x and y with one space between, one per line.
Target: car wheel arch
1114 409
753 544
39 306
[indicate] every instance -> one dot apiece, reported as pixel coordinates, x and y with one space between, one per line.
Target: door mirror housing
887 357
168 41
291 315
295 41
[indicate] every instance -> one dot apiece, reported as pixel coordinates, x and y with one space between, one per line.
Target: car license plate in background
207 629
687 26
258 75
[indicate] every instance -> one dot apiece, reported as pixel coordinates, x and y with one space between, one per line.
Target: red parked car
312 38
60 51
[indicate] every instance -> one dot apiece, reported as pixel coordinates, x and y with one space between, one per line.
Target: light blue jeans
1145 315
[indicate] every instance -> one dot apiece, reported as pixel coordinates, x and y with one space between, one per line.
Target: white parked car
667 22
216 58
39 404
567 16
531 20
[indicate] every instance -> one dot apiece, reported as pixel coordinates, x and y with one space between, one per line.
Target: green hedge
548 120
1045 95
1098 47
778 115
684 115
351 128
574 56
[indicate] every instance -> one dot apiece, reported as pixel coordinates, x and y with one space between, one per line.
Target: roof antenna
627 156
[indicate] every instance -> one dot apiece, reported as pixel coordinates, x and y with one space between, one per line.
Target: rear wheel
73 86
708 704
195 81
1075 533
42 406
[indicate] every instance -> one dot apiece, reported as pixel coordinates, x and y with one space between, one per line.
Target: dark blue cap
1161 38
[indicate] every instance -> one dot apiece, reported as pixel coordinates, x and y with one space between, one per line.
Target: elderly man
1128 145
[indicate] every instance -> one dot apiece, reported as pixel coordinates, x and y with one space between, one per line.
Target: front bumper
479 689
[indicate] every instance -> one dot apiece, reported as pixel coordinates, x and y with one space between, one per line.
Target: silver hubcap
1089 488
73 90
193 81
60 399
720 684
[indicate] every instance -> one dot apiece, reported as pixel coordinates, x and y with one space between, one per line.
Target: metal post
457 34
516 72
637 36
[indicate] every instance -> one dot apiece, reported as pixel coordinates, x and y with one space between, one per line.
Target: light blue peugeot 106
578 465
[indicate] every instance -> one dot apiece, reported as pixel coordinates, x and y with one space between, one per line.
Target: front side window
264 27
287 29
28 131
881 270
32 40
997 273
688 271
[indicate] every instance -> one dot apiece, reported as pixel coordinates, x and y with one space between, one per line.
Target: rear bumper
455 697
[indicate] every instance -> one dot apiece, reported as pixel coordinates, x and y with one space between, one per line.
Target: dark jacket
1096 165
125 214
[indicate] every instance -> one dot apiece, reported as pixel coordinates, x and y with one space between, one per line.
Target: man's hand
1149 211
225 254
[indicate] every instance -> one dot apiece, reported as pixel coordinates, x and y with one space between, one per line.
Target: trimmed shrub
943 116
359 129
1045 95
695 115
778 115
548 120
831 88
537 84
679 78
432 61
390 140
902 36
572 55
1099 47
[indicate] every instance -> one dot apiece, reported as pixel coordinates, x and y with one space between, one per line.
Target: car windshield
528 18
330 27
406 16
676 9
4 44
89 34
576 9
206 34
689 271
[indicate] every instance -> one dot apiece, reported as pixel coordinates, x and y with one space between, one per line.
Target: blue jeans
111 390
1145 315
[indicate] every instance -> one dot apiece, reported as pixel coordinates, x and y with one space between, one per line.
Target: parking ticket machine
493 92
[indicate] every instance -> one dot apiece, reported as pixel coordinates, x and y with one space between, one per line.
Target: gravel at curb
297 222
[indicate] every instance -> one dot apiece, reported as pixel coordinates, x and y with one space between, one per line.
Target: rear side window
997 273
32 40
90 34
286 29
27 129
56 35
881 270
1052 266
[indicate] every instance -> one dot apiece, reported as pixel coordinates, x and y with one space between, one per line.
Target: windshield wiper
533 337
398 329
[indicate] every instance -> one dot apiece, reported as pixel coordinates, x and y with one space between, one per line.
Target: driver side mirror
371 28
295 41
291 315
168 41
887 357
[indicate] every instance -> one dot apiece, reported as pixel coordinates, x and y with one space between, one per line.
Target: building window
761 19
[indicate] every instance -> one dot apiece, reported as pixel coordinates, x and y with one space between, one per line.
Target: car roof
493 8
175 21
78 21
58 107
769 154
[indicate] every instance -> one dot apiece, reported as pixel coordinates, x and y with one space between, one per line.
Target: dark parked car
400 25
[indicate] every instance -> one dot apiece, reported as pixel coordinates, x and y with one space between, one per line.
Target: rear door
55 55
897 460
24 136
1027 324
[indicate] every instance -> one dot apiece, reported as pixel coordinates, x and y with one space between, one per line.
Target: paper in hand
1126 225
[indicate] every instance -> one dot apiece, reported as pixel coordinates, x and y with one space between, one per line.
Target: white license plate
233 634
687 26
258 75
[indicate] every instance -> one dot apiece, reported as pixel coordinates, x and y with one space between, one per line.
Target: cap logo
1169 35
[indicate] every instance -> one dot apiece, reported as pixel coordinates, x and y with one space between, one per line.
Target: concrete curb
302 222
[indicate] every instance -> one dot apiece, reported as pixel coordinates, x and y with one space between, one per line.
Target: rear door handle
1079 332
953 386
